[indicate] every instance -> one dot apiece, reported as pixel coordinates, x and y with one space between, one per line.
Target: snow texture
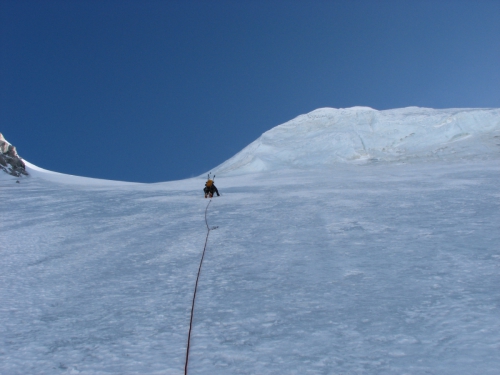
360 134
341 268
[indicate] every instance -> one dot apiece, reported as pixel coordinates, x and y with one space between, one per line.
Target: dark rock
10 161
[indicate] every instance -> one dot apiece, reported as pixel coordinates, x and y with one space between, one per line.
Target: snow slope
328 136
345 268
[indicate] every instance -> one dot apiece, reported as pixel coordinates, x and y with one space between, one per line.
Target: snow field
353 269
378 273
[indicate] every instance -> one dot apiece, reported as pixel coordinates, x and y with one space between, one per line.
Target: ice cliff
360 134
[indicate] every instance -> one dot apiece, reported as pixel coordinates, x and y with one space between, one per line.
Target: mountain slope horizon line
328 136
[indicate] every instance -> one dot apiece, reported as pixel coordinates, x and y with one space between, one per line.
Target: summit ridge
328 136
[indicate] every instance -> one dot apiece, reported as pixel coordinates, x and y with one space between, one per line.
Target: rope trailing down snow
195 289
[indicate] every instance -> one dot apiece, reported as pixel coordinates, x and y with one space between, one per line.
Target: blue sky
151 91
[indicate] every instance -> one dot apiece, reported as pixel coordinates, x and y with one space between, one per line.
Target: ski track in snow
360 269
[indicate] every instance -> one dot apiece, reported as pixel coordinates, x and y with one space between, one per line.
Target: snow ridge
329 136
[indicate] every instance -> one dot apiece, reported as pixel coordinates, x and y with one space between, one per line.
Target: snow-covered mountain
328 136
323 262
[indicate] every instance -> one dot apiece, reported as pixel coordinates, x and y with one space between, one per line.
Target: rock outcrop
10 161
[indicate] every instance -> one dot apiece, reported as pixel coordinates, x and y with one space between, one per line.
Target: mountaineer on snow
210 189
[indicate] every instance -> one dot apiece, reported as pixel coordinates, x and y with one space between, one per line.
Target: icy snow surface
327 136
342 268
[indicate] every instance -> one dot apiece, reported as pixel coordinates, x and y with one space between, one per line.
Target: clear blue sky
152 91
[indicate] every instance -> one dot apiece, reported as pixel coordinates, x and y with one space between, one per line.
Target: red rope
194 294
